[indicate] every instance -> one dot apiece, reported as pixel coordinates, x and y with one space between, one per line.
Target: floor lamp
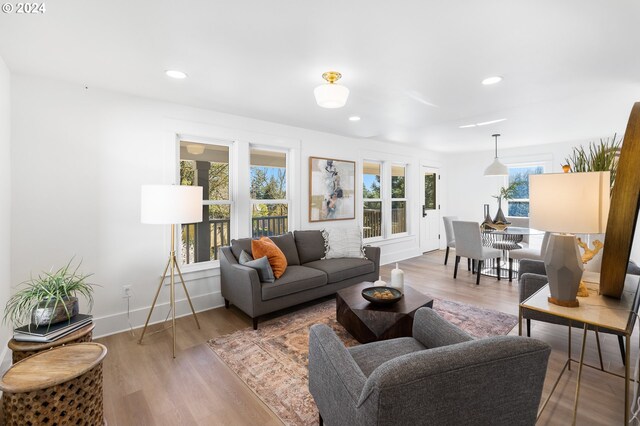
171 205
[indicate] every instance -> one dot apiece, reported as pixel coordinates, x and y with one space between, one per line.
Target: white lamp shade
170 204
576 203
496 169
331 95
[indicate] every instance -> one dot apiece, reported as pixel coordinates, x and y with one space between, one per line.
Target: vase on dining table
500 218
487 218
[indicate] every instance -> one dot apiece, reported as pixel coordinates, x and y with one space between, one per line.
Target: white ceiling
571 68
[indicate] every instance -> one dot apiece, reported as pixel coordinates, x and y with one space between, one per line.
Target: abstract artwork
331 189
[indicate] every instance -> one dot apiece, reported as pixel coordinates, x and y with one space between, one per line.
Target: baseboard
118 323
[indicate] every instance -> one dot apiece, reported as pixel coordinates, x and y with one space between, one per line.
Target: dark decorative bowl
368 293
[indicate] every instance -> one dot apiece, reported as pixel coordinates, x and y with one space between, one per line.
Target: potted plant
49 298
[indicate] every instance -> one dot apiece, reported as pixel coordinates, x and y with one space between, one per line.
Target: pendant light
496 168
330 94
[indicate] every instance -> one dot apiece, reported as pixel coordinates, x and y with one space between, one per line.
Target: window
398 200
269 202
372 200
519 205
207 166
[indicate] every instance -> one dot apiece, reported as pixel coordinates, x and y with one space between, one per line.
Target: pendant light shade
330 94
496 168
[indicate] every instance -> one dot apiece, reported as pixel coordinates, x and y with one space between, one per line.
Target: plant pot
45 314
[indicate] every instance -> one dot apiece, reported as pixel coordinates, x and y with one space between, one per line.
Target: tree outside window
268 190
519 204
372 201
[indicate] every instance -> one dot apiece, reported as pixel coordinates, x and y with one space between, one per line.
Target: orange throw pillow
265 247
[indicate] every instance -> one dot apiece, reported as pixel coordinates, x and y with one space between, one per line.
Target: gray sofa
307 276
440 376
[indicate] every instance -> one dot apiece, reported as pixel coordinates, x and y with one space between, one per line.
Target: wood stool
60 386
21 350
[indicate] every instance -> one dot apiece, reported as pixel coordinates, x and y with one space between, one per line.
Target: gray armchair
440 376
533 277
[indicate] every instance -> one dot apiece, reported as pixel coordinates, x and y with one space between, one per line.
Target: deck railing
372 222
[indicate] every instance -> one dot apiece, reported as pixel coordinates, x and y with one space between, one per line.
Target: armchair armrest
531 266
529 283
335 379
433 331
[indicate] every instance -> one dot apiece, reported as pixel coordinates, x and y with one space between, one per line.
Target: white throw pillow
342 242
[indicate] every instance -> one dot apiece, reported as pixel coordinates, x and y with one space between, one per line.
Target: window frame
287 200
405 166
230 202
374 200
527 164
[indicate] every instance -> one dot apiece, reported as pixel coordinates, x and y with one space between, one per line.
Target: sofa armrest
530 266
335 379
433 331
529 283
373 254
239 284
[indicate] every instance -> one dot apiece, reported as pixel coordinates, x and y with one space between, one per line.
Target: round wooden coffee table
369 323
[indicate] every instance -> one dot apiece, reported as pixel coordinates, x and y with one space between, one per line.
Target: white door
430 209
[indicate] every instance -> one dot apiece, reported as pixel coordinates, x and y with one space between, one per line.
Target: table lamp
171 205
567 204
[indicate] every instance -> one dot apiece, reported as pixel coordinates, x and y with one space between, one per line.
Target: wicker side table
21 350
60 386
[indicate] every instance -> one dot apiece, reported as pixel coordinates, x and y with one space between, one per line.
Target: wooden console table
597 311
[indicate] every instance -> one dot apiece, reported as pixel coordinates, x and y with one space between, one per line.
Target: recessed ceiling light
176 74
492 80
491 122
354 118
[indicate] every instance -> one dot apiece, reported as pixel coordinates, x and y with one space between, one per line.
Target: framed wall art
332 189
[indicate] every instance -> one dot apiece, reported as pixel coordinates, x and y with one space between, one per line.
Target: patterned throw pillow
265 273
343 242
265 247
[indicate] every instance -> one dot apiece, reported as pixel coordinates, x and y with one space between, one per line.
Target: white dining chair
469 245
534 253
448 232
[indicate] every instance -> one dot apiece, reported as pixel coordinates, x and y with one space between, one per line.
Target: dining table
506 240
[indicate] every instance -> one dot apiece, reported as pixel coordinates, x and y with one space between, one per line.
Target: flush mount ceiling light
195 149
354 118
176 74
484 123
330 94
496 168
492 80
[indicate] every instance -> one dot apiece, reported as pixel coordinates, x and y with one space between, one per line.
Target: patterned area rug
272 361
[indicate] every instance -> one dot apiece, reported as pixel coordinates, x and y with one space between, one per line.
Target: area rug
272 360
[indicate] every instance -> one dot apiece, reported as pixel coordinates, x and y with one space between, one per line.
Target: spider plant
49 289
600 157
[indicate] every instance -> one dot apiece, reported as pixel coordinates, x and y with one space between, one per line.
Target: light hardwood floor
143 385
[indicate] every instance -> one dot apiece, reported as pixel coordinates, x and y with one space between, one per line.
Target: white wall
79 158
5 198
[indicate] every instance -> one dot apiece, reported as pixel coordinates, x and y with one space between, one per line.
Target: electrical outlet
126 291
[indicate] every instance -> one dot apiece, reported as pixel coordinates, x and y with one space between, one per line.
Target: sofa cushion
343 242
265 247
242 244
261 265
310 245
343 268
295 279
287 244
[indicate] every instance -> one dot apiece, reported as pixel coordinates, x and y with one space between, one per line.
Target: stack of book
53 332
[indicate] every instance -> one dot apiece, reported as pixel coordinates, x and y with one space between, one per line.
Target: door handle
424 211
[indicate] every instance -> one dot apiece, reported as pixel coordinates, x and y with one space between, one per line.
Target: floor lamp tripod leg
154 300
186 293
173 301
